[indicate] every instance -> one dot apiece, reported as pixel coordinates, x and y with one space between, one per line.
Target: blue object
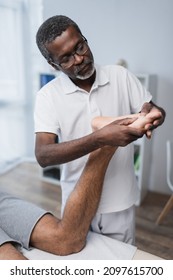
45 78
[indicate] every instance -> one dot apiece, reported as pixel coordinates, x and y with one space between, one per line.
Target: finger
151 126
148 126
156 123
149 134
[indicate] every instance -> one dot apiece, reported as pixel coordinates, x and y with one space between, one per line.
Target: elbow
72 247
78 245
69 243
41 159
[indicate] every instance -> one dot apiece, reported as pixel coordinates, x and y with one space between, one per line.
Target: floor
25 181
155 239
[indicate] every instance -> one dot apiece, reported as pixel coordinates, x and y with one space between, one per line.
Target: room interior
135 32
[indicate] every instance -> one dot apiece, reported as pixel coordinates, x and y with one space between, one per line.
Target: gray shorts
117 225
17 219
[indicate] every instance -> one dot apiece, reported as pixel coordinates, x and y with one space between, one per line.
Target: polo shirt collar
101 80
101 76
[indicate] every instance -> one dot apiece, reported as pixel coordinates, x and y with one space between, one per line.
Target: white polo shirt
64 109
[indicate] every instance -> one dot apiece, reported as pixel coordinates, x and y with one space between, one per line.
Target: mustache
80 67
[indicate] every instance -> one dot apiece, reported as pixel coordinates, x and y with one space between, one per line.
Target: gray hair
50 29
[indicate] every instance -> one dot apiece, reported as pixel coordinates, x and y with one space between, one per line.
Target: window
11 52
16 78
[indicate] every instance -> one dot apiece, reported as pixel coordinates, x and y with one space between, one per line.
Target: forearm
59 153
115 134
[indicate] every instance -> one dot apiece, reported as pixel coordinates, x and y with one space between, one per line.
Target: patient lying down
31 226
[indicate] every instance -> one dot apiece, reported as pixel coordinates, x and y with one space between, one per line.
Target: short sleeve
138 94
45 117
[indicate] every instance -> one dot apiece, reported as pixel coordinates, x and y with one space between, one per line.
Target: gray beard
87 75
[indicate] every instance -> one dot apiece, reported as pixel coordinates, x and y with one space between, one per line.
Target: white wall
141 32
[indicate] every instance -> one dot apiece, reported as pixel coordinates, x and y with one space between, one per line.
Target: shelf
142 146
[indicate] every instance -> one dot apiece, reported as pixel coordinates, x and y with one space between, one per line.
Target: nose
77 58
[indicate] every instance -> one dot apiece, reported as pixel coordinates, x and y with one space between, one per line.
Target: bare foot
148 119
141 121
99 122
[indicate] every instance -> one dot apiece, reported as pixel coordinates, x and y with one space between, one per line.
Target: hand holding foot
140 121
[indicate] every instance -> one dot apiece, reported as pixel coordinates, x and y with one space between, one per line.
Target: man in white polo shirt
65 108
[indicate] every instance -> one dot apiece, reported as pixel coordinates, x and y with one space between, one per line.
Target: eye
65 59
80 48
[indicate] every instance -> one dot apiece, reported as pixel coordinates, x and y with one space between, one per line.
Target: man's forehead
65 42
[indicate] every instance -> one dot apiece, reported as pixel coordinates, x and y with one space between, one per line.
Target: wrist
98 139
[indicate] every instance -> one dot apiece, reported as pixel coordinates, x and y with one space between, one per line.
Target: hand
119 133
153 109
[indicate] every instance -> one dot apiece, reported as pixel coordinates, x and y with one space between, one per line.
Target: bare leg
44 234
9 252
68 235
140 122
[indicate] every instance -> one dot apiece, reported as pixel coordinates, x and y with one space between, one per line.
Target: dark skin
47 151
64 45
